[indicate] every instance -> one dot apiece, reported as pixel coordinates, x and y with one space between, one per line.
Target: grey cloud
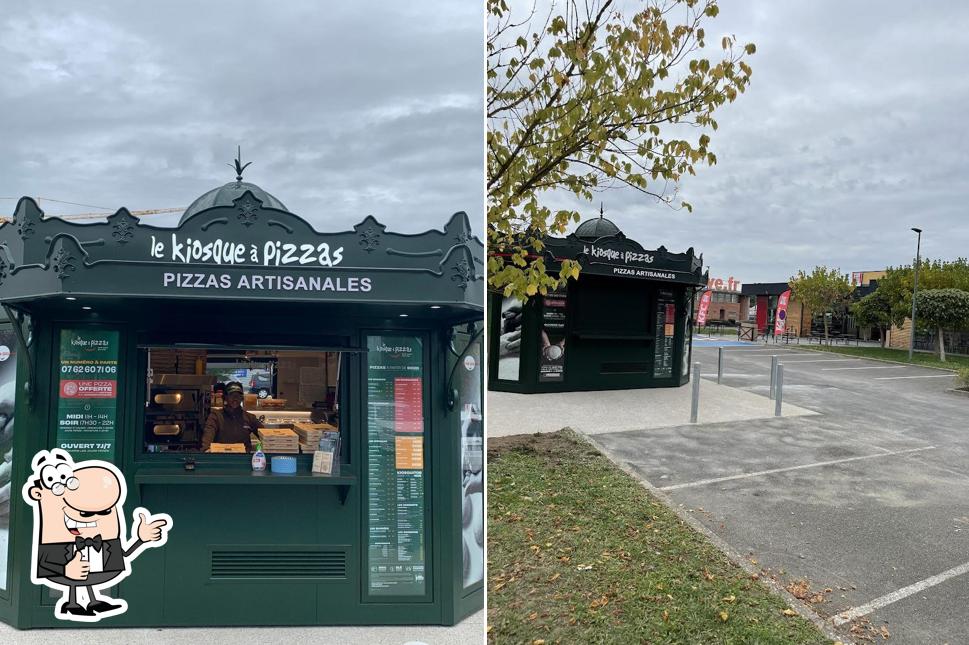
345 109
851 133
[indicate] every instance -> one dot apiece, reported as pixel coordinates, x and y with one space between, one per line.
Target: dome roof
225 195
592 229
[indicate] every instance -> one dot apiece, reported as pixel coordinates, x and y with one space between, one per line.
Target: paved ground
621 410
870 497
469 632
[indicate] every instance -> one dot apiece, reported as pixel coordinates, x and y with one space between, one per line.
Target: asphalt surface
869 498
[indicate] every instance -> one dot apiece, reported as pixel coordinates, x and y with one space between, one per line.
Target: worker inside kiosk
229 401
231 424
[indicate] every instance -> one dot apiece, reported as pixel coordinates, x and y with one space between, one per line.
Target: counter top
217 476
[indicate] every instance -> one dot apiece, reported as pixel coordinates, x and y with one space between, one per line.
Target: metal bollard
719 364
773 374
779 393
695 403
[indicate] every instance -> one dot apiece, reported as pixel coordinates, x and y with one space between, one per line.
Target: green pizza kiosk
118 341
624 323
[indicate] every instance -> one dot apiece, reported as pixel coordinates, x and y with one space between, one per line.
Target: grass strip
579 552
894 356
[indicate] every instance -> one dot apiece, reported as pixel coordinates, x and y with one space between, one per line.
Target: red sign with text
701 315
780 320
408 405
75 389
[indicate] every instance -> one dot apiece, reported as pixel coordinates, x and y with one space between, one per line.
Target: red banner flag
780 318
701 315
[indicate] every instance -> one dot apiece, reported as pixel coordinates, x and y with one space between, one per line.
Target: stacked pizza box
310 434
279 440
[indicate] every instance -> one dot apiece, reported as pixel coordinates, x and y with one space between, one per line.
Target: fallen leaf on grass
724 616
538 641
708 575
584 567
555 577
601 602
729 598
666 616
789 612
533 615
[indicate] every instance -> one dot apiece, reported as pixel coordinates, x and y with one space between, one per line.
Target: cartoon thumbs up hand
77 569
153 528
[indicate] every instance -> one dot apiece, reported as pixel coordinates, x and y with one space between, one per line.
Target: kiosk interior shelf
220 476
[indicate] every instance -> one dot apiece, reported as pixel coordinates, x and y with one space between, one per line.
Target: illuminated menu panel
395 466
87 407
665 324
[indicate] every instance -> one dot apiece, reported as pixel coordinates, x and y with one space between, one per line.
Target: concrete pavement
624 410
470 631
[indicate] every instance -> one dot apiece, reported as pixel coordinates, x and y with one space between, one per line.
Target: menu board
551 361
87 402
395 466
665 324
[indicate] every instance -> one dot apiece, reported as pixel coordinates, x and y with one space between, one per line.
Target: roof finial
238 165
601 211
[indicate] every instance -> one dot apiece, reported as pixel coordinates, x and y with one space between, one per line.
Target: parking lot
868 499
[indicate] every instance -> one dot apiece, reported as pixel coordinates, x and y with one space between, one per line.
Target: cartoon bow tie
83 543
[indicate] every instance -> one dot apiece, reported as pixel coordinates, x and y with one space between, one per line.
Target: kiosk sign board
395 471
551 364
665 325
87 393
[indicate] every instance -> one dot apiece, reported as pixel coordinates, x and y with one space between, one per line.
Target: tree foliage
897 284
820 290
941 309
874 310
582 98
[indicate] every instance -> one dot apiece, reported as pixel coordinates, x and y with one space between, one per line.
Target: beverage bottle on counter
259 458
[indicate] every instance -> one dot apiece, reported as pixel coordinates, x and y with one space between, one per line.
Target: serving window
293 396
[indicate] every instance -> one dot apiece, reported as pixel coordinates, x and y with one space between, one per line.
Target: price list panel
395 466
87 408
665 325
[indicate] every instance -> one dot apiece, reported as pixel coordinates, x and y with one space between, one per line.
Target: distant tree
820 290
874 310
941 309
897 283
583 97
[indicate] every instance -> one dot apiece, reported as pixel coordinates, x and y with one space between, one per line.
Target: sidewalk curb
803 609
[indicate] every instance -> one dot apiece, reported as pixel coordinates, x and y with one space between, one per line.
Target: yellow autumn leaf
724 616
789 612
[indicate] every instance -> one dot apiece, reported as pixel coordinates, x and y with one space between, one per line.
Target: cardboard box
228 447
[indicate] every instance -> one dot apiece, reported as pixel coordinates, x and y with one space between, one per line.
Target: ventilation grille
263 563
623 368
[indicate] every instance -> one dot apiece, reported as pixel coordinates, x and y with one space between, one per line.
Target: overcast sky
345 109
852 132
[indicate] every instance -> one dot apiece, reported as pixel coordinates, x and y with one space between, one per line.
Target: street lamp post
915 288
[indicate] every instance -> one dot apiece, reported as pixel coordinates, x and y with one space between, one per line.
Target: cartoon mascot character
80 539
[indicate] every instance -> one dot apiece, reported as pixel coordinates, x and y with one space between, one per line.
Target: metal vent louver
276 564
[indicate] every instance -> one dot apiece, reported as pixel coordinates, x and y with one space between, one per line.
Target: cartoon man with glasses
78 531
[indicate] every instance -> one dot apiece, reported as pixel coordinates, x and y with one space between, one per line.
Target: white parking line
869 367
823 360
904 592
895 378
715 480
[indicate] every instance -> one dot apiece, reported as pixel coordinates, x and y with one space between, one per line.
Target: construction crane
150 211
